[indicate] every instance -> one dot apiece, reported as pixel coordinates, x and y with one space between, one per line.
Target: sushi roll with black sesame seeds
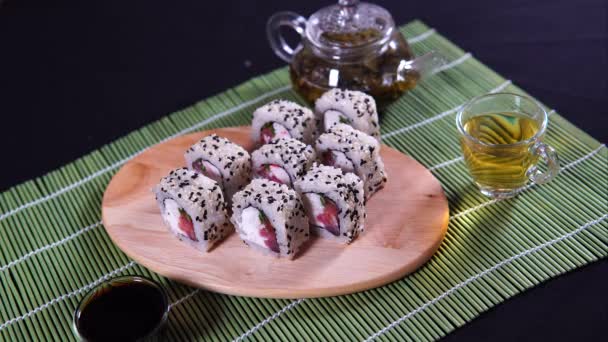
270 218
334 202
350 107
193 208
221 160
353 151
282 119
283 160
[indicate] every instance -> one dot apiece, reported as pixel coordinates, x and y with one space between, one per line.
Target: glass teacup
501 138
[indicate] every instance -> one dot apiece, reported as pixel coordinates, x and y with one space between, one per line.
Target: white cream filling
314 207
280 131
171 216
341 161
278 172
211 171
251 225
332 118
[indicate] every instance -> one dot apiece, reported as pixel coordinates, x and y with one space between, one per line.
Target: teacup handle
548 154
273 32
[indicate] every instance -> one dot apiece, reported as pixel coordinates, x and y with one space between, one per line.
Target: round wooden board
406 222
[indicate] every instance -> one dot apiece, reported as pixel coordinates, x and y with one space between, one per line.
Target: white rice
358 107
292 155
284 209
345 190
298 120
361 149
232 161
202 199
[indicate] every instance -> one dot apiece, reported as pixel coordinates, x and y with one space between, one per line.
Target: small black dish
127 308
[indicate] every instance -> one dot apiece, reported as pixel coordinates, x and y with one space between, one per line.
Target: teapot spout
424 66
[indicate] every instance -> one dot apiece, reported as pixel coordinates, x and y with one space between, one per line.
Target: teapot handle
273 32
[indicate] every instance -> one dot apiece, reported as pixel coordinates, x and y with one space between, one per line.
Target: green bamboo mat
53 248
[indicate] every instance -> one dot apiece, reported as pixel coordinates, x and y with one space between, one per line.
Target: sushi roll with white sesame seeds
282 119
334 203
283 160
221 160
350 107
193 208
270 218
353 151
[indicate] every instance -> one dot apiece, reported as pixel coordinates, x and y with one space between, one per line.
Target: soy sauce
122 310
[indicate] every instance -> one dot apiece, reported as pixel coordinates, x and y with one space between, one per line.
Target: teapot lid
349 24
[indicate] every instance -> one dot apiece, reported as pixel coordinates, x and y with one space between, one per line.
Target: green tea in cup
501 139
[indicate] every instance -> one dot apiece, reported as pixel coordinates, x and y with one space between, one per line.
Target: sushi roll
270 218
193 208
282 119
353 151
334 202
349 107
221 160
283 160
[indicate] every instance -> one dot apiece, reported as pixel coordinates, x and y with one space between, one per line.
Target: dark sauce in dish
121 310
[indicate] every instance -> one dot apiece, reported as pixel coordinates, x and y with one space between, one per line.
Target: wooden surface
405 224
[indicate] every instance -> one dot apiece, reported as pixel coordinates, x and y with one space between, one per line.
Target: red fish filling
186 225
329 216
268 233
327 158
322 212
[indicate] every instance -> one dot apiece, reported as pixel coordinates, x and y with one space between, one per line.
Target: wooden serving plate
406 222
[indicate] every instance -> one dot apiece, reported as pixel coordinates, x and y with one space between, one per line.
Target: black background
75 75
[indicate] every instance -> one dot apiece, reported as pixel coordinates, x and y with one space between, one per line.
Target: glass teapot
352 45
